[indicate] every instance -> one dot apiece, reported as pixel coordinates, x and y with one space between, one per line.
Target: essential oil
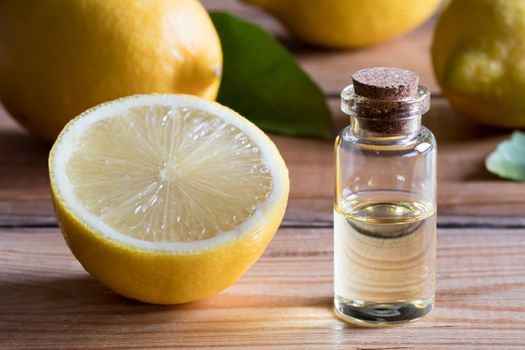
384 210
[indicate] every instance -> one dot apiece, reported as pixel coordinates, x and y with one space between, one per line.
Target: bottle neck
385 129
385 121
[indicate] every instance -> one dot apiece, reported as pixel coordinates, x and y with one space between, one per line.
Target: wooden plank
24 184
463 146
284 301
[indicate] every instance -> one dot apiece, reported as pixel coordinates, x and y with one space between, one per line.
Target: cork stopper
385 102
385 83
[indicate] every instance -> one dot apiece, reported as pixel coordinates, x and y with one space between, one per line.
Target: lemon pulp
141 180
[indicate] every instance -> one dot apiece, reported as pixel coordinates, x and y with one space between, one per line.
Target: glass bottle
385 201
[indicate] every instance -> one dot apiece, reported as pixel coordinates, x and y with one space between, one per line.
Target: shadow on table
74 311
71 312
24 180
22 149
81 305
79 294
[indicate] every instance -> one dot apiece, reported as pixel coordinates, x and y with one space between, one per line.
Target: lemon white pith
166 198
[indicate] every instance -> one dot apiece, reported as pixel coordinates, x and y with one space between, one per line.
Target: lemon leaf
263 82
508 160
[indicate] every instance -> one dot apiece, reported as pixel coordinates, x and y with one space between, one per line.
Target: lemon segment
166 198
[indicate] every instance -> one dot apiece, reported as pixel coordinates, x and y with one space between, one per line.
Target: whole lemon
478 55
59 57
348 23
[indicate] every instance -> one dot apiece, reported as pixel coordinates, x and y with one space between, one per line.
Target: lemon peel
349 23
477 55
59 58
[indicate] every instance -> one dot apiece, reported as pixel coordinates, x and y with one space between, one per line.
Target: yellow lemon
166 198
349 23
58 58
478 55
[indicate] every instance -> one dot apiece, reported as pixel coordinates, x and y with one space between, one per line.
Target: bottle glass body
384 225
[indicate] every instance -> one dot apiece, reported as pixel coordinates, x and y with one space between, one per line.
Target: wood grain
47 301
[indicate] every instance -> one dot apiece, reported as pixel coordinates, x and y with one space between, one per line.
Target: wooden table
47 301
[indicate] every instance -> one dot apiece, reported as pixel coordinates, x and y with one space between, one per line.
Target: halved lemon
166 198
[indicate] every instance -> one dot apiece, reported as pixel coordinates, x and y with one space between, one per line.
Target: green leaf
508 160
262 82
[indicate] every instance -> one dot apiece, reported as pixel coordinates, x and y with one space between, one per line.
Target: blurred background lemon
348 23
58 58
478 55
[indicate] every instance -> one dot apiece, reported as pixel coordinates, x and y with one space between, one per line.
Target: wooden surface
284 301
47 301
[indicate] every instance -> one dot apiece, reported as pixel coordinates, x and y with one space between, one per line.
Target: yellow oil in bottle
384 257
385 199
